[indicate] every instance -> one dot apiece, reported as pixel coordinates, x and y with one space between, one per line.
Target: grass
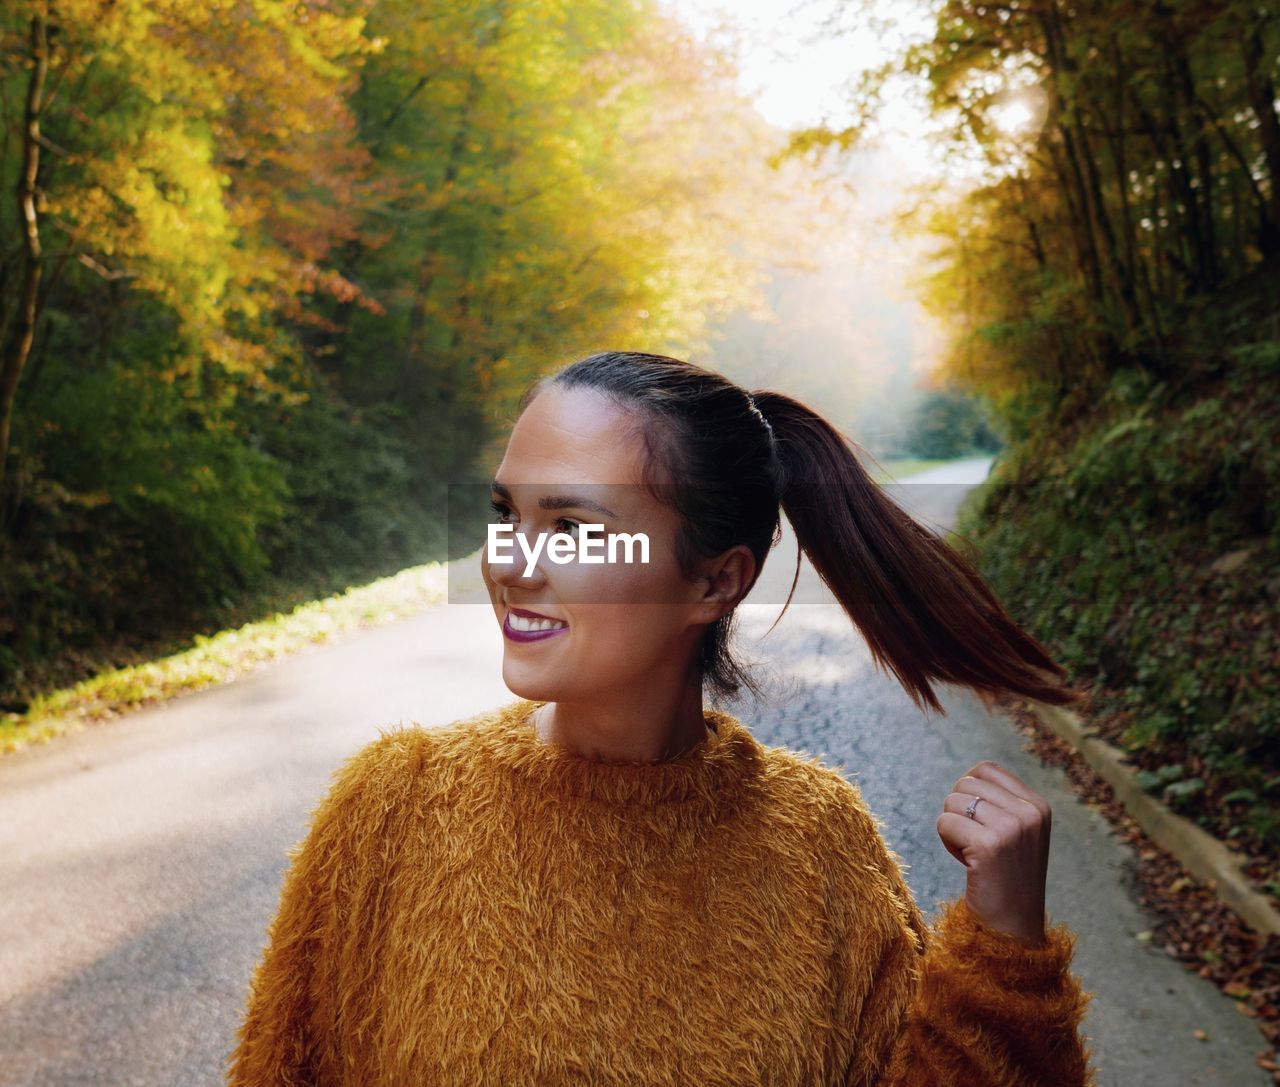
224 656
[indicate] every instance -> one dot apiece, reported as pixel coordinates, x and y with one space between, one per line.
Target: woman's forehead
574 437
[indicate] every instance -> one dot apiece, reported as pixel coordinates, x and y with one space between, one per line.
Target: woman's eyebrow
557 501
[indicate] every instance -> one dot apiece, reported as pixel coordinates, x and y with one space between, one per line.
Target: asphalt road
141 861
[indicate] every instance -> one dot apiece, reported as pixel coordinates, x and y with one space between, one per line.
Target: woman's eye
503 511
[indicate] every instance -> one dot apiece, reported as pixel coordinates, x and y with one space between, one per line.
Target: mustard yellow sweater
473 905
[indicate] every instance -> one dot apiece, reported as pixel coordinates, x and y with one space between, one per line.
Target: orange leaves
213 155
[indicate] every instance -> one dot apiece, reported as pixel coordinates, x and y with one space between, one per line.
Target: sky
850 334
796 68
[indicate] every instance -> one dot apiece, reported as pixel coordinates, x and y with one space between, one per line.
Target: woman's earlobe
714 600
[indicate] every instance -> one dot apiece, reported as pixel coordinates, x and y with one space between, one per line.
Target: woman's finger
963 837
988 812
996 795
989 770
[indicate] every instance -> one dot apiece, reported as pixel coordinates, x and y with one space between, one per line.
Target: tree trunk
1140 277
1204 246
428 269
1185 225
1268 229
1078 220
1262 98
1073 175
1099 249
15 359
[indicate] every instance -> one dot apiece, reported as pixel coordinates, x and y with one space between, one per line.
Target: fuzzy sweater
473 905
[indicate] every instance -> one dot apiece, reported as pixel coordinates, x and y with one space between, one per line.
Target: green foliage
350 504
948 424
1154 782
1180 792
1118 169
192 490
296 265
76 568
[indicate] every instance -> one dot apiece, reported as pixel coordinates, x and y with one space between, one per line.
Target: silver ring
973 806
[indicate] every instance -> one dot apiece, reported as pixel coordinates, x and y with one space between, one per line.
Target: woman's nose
515 567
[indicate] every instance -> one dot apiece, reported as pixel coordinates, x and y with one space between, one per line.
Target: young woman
604 881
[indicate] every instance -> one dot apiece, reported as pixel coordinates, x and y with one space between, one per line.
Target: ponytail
924 610
735 457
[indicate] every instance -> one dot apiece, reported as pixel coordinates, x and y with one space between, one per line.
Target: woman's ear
725 580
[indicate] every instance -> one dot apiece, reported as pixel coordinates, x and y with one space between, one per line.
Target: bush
948 424
188 486
352 485
1104 543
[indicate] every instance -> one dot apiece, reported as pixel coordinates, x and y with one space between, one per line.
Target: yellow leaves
156 203
207 145
606 181
312 36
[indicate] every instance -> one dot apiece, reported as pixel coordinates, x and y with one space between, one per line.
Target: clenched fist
1005 847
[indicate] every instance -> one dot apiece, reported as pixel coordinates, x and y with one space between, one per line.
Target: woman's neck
653 727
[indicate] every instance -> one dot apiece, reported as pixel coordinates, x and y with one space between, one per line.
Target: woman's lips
528 635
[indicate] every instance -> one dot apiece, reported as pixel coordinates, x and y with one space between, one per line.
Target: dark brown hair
732 457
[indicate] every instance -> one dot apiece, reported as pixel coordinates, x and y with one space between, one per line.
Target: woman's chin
526 681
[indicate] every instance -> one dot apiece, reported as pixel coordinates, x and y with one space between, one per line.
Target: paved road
141 861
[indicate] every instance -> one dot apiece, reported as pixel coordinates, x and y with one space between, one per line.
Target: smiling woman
606 881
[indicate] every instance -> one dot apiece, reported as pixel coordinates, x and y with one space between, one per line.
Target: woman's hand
1005 848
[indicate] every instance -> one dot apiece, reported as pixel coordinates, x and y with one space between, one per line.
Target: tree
1144 176
194 158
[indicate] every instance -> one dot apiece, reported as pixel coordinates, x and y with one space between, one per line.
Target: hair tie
751 405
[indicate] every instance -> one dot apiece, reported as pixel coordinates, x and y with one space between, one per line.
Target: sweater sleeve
962 1004
288 1036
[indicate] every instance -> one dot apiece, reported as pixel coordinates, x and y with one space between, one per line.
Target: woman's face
628 624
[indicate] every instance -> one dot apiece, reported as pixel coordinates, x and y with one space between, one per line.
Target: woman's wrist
1031 935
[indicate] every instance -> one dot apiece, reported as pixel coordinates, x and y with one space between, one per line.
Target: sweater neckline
703 773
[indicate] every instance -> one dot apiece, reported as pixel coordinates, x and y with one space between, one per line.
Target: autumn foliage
272 274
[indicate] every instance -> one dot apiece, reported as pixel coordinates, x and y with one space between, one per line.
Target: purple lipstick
539 627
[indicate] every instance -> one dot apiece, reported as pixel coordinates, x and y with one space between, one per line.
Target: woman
605 882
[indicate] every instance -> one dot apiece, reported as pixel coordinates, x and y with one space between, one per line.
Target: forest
272 275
